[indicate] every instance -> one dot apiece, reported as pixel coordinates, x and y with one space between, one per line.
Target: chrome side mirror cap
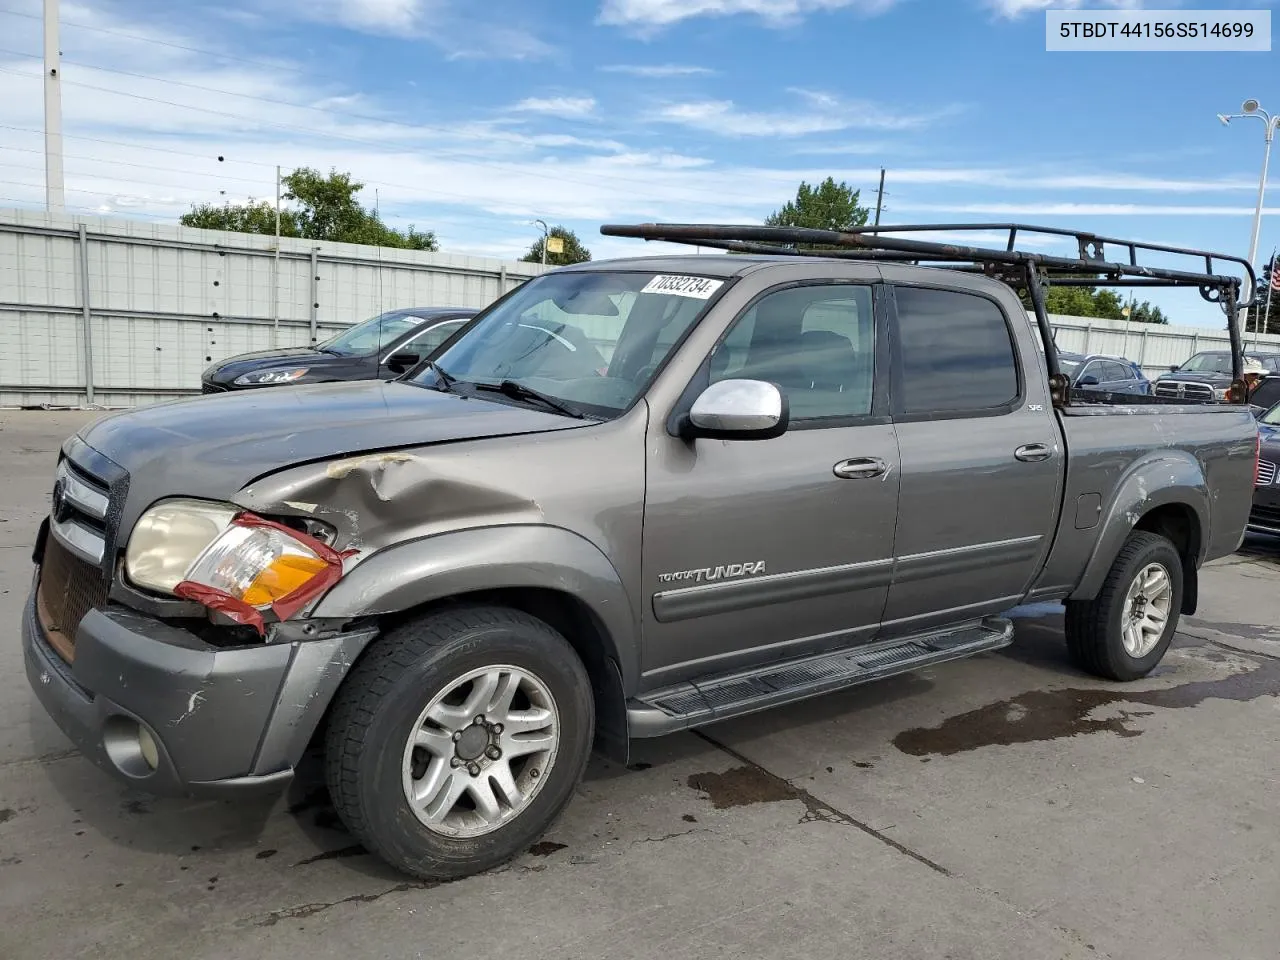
739 410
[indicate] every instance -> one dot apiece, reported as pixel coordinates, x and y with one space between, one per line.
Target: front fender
1161 478
538 556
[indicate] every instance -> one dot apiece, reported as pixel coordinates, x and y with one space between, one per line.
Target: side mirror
1089 381
1174 368
739 410
403 360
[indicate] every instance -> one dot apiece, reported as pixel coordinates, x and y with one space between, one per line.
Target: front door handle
1031 452
860 468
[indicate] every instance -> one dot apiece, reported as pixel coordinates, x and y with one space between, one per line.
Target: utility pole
275 273
879 197
53 188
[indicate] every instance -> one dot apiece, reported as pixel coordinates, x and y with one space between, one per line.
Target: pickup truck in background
633 497
1208 375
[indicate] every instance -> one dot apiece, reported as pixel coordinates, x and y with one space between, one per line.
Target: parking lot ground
1006 806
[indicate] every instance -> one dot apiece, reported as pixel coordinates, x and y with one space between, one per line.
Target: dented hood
213 446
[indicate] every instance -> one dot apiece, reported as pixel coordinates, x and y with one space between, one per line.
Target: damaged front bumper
222 720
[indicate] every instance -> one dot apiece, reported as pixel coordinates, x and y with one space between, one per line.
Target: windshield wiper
519 391
447 380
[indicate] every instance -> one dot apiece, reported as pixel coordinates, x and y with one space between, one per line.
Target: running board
713 698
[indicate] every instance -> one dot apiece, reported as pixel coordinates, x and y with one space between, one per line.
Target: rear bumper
223 720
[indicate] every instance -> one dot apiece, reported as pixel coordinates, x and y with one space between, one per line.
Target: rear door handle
860 468
1030 452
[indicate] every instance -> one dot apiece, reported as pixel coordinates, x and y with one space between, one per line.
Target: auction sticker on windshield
699 288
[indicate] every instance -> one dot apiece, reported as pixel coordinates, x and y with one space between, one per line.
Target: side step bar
713 698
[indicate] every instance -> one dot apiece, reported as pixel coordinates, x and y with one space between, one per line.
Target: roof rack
1034 271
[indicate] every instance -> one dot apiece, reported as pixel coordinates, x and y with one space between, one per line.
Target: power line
155 40
448 154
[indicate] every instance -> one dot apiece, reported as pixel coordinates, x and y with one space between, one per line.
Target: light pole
546 233
1251 108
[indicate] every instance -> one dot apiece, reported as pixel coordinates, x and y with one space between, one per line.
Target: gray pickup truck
635 497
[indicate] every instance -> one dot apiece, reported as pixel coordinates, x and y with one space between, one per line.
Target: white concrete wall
165 301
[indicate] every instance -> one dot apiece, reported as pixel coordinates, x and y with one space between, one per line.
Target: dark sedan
1103 374
1265 515
382 347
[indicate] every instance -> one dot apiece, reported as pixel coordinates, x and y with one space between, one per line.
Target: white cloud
825 113
1016 8
571 108
1083 209
661 13
658 71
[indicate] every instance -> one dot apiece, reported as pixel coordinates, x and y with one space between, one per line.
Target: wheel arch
1164 495
547 572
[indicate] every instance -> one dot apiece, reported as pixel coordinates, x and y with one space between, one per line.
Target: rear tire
1123 632
458 739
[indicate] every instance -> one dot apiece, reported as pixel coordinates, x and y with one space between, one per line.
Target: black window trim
880 413
897 378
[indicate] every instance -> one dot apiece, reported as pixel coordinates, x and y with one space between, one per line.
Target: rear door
767 549
981 459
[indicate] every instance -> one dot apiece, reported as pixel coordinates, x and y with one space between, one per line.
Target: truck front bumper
159 708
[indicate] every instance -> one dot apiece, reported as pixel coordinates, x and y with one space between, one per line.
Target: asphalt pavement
1006 806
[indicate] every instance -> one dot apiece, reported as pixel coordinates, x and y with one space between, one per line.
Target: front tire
458 739
1123 632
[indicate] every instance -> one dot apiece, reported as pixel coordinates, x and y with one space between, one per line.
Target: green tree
1257 315
241 218
1145 312
828 206
573 252
324 207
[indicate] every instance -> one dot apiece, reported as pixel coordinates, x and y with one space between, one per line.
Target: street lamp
546 234
1251 108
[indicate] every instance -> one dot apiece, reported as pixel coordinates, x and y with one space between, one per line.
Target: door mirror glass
739 410
403 360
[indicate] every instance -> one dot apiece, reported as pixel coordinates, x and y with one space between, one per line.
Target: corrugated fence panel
1153 347
166 301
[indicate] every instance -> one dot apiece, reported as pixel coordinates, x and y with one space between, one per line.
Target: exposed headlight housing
235 562
264 377
1221 393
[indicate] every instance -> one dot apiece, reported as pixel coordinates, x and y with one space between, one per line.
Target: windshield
591 340
1208 363
372 335
1272 416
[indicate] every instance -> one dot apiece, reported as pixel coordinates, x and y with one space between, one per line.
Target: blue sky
473 118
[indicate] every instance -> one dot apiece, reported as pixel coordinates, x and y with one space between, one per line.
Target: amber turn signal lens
285 575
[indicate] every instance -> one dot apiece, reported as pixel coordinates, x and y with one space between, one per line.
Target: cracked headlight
228 560
264 377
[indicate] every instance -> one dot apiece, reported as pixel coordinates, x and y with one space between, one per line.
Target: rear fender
1162 478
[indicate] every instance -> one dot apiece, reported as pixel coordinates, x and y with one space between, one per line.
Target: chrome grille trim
81 495
86 544
1266 473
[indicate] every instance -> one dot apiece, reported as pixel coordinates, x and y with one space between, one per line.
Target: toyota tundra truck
634 497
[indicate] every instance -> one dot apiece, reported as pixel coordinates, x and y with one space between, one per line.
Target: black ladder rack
1035 271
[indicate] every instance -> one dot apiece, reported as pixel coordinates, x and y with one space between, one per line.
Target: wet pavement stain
742 786
265 854
340 854
546 848
1040 715
689 818
8 813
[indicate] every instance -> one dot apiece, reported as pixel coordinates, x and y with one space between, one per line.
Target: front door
767 549
981 461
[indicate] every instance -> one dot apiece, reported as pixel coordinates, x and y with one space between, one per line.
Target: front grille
1266 473
1184 390
1265 516
69 588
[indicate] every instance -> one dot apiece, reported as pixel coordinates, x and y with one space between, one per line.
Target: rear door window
954 355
